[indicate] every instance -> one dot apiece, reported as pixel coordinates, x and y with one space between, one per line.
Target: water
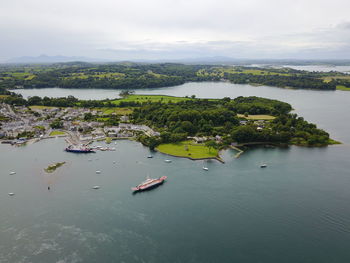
321 68
295 210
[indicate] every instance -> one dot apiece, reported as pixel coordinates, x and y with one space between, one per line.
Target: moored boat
79 149
149 184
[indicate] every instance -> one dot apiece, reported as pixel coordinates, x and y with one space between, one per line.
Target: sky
176 29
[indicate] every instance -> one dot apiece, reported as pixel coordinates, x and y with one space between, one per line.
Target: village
20 125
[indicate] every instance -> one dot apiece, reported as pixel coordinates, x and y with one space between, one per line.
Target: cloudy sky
169 29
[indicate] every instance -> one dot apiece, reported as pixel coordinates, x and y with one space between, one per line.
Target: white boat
150 156
12 173
205 168
96 187
11 194
264 165
98 172
167 161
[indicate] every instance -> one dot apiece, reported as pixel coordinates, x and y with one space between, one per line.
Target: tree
211 144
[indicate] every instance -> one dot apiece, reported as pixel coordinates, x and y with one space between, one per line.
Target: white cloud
174 28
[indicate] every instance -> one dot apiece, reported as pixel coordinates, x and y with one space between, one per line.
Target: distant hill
51 59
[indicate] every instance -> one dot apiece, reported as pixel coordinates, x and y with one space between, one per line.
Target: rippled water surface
295 210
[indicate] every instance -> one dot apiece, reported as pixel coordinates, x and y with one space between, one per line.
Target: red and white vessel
149 184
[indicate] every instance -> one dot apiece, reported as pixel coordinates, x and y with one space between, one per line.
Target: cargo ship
79 149
149 184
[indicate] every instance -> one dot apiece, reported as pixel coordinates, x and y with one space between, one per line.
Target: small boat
205 168
98 172
150 156
114 161
12 173
264 165
11 194
96 187
167 161
149 184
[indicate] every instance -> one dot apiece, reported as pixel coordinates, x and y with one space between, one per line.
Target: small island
53 167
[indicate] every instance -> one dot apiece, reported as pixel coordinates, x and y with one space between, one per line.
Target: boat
149 183
12 173
264 165
205 168
98 172
79 149
11 194
150 156
96 187
167 161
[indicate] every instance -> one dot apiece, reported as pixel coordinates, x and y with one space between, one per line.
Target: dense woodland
138 76
211 118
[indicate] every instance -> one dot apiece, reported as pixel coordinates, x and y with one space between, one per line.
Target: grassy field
340 87
118 111
152 98
188 149
96 75
41 107
55 133
221 71
257 117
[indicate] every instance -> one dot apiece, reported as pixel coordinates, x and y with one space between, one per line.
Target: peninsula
180 126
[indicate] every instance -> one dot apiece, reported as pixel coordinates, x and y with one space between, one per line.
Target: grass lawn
341 87
188 149
41 107
118 111
55 133
257 117
152 98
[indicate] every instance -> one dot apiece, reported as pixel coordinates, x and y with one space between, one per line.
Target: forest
140 76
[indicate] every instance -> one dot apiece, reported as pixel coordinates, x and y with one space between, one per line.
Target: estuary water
295 210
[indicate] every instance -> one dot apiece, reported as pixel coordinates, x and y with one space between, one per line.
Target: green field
151 98
257 117
220 72
95 75
39 107
118 111
188 149
340 87
55 133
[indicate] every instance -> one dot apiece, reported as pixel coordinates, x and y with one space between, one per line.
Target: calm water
295 210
